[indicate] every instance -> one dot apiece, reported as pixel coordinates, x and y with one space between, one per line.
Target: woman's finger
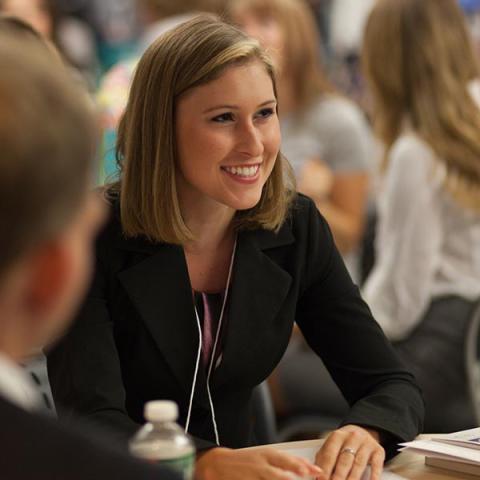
326 457
345 462
376 461
360 463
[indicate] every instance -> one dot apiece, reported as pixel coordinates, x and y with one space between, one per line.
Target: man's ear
49 269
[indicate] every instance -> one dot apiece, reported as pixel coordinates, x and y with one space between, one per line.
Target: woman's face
266 29
228 138
34 12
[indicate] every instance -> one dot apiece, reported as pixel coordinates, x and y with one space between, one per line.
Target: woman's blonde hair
302 55
420 62
192 54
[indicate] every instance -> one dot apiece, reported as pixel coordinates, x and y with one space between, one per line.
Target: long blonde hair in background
302 55
419 61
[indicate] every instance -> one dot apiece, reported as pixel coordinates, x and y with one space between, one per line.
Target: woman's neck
208 256
211 226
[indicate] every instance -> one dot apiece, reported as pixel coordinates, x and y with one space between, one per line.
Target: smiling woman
207 260
219 116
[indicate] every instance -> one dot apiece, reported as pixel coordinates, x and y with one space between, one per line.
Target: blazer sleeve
339 327
84 367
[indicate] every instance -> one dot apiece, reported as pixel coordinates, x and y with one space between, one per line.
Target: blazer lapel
259 288
159 287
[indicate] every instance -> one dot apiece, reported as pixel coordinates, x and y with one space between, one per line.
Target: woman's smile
243 173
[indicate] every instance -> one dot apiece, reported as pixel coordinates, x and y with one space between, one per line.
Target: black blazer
34 447
136 337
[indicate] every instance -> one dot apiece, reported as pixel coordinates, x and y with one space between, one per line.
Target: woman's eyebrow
235 107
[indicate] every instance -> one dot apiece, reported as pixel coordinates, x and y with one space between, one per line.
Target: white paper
309 454
466 438
433 448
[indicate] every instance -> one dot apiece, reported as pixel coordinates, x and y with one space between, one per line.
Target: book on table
459 451
456 466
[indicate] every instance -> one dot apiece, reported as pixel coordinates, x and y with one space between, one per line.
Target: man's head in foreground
48 215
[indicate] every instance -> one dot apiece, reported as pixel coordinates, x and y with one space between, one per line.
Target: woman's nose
250 141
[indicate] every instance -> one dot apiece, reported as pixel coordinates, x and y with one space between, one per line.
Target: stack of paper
458 451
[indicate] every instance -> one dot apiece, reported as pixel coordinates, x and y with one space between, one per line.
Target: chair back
472 360
265 426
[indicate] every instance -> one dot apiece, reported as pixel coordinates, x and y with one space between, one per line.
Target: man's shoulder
36 446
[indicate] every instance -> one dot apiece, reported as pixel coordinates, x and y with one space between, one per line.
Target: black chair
307 426
265 426
299 426
472 360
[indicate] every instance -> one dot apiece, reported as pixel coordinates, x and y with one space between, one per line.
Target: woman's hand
347 452
256 464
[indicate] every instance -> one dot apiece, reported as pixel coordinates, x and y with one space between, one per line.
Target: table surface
406 464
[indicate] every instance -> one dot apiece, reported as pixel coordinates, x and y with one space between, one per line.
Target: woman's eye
265 113
223 118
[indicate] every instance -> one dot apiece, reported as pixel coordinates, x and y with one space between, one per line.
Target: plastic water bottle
163 441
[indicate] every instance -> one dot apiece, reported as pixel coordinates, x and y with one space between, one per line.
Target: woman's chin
241 204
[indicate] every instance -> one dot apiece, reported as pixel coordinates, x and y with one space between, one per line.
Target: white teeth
243 171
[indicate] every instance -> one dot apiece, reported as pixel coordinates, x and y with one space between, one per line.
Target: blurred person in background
427 273
116 26
157 17
324 136
73 38
321 10
329 144
346 23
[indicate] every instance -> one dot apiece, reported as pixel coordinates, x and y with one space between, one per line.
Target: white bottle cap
161 411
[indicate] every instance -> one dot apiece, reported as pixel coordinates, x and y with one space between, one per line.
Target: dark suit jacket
34 447
136 338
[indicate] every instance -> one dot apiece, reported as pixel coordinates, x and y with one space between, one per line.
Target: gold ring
349 450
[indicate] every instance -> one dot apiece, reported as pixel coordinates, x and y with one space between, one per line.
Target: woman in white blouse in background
423 77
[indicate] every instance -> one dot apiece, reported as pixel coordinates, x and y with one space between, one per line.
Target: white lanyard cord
197 363
212 358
